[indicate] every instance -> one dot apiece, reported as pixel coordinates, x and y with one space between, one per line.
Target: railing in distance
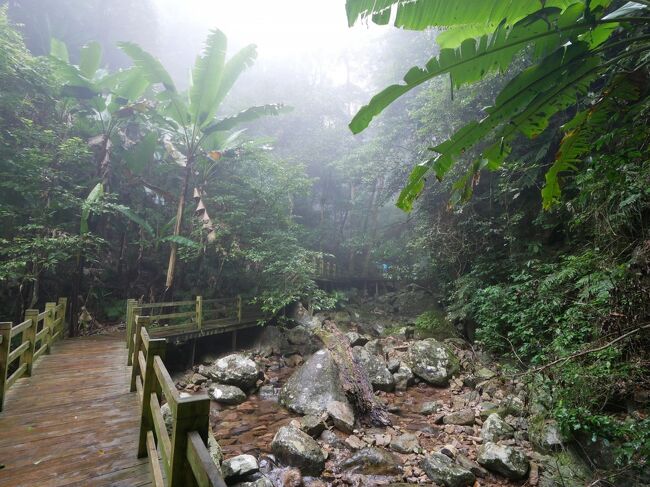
27 341
184 458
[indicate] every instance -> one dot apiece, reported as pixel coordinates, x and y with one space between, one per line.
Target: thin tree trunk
171 268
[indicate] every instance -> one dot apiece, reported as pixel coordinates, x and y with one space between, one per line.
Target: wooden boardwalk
74 422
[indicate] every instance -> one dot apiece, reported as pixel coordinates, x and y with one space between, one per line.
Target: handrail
184 457
27 341
206 312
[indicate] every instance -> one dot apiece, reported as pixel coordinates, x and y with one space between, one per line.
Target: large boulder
442 470
432 362
297 449
403 378
372 461
494 429
226 394
503 459
235 370
379 375
313 386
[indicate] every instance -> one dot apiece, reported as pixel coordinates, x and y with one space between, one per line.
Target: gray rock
393 365
198 379
505 460
470 465
403 378
166 412
372 461
268 392
405 443
432 362
235 370
546 436
464 417
356 339
226 394
430 407
374 347
312 425
216 453
297 449
495 429
239 467
380 378
299 314
342 416
486 408
314 385
261 482
443 471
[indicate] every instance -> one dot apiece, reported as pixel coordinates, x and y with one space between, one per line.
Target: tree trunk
354 379
171 268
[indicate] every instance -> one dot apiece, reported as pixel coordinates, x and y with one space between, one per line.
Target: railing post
131 331
137 344
199 312
192 414
30 334
129 322
64 302
156 347
5 347
49 324
238 308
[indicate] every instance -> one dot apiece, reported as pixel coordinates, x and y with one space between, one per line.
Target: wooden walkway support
74 421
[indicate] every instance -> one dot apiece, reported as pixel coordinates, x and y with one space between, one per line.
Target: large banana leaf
90 59
477 57
150 66
247 115
524 106
421 14
93 197
234 67
206 77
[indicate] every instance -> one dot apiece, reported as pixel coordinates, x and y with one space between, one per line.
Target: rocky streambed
280 416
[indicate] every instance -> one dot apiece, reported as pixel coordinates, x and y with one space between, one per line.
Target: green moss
433 324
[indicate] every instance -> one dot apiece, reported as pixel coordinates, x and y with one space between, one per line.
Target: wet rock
430 407
406 443
198 379
393 365
371 461
355 442
312 425
356 339
261 482
166 412
374 347
464 417
404 378
432 362
297 449
342 415
380 378
546 436
226 394
486 408
329 438
443 471
470 465
503 459
268 392
239 467
216 453
494 429
314 385
235 370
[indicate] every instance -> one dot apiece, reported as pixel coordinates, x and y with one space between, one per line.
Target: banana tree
192 129
572 44
105 100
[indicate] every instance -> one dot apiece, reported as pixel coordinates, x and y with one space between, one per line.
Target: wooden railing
181 316
37 333
182 458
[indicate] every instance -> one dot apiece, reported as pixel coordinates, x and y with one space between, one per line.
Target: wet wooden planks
74 422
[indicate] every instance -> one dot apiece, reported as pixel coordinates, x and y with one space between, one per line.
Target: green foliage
434 323
565 41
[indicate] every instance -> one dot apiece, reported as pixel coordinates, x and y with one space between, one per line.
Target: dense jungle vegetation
508 174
